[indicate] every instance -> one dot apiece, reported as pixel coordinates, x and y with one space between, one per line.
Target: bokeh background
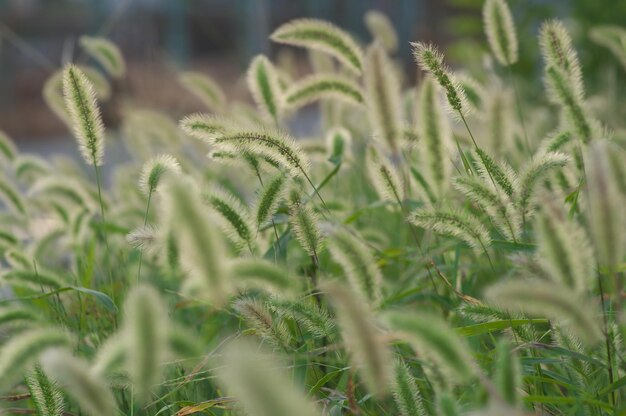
160 37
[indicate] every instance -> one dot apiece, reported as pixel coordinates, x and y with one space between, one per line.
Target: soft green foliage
398 260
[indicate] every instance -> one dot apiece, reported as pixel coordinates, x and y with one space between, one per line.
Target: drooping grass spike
106 53
322 36
546 299
153 171
323 87
205 88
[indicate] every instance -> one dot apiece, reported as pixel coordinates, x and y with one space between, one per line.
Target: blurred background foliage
160 37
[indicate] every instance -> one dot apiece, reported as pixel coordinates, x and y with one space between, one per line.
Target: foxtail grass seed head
461 225
433 338
311 317
544 299
233 216
611 37
265 88
269 198
328 87
261 389
305 226
498 206
274 145
106 53
91 392
508 372
258 317
435 134
7 147
564 250
20 352
557 51
324 37
205 88
358 263
500 31
80 100
431 61
263 273
339 145
45 393
382 30
405 391
153 171
199 244
383 98
605 205
384 177
205 127
146 328
362 338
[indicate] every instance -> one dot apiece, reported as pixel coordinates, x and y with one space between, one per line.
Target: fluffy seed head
435 134
322 87
405 392
45 393
453 223
200 246
362 338
205 88
382 30
153 171
264 86
383 97
80 100
145 332
500 31
90 392
431 61
106 53
358 263
546 299
433 338
19 352
605 205
322 36
259 387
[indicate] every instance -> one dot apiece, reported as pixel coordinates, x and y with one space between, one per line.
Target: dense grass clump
434 249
